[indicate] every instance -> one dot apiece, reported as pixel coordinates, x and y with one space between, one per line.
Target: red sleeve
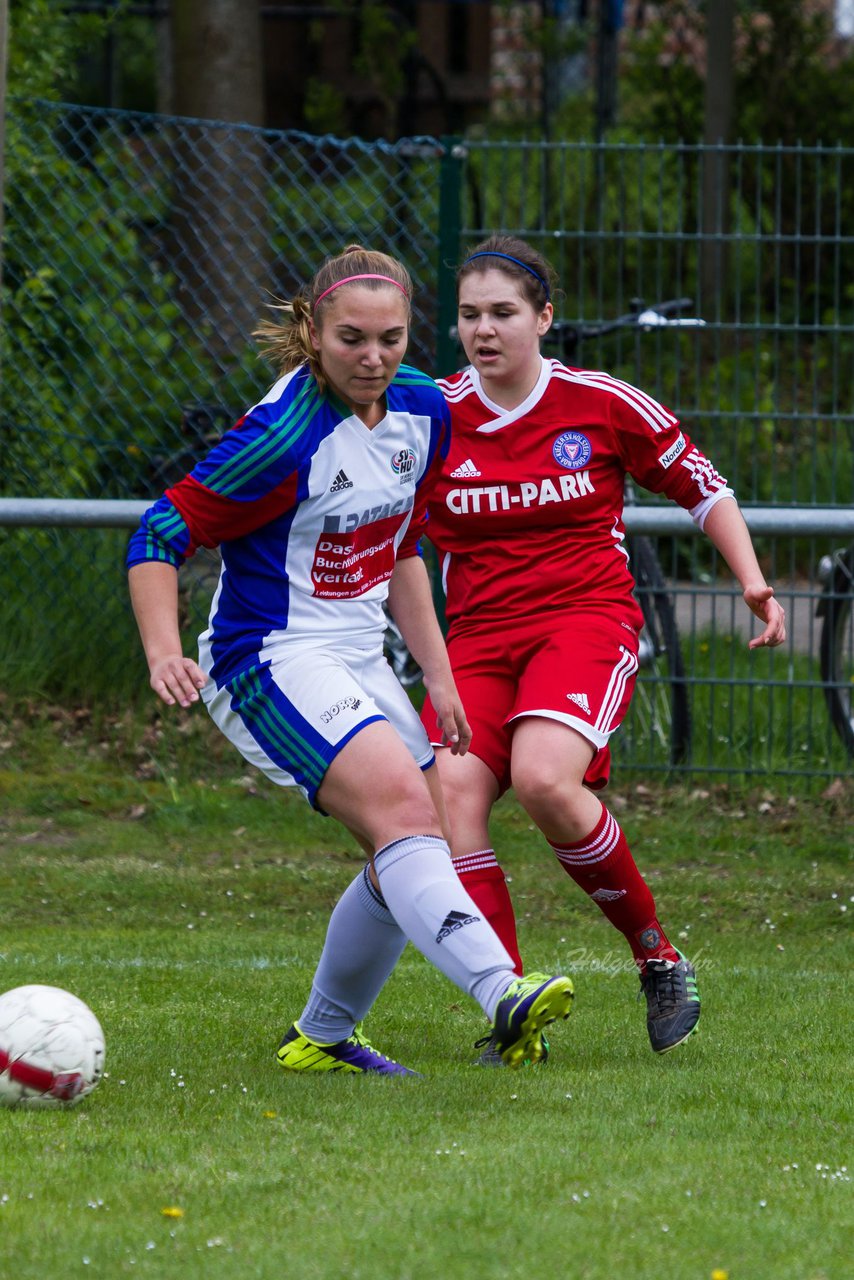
660 456
418 524
212 518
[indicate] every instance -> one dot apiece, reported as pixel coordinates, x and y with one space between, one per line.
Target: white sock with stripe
426 898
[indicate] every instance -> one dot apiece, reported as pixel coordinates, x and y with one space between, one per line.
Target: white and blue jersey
311 510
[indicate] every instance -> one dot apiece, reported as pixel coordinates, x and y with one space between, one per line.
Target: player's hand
175 678
760 601
450 715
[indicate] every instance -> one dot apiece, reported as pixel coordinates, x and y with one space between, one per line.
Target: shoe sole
676 1043
553 1003
347 1068
496 1060
325 1066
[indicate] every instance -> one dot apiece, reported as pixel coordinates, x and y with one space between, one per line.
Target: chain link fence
140 251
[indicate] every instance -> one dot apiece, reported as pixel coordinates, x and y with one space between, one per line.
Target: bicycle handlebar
659 315
570 333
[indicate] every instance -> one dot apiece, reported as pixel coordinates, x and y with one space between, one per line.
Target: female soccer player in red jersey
543 623
317 499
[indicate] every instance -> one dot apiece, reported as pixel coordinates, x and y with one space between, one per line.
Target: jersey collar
504 417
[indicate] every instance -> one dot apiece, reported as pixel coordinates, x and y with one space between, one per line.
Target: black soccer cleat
672 1001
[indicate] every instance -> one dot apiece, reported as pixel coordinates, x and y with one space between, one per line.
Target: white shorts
292 716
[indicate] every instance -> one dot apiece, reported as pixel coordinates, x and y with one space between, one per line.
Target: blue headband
493 253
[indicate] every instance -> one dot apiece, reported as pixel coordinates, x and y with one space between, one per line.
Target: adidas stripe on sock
428 901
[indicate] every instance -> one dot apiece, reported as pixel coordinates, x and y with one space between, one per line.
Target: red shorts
577 668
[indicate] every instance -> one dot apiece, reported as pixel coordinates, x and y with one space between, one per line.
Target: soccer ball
51 1048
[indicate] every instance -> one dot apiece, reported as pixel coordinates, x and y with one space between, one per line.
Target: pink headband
349 279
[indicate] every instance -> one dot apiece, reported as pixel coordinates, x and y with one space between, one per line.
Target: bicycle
836 642
661 639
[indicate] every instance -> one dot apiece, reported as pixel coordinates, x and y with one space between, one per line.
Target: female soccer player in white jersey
543 625
317 499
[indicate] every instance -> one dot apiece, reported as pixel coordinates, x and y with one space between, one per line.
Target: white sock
428 901
363 945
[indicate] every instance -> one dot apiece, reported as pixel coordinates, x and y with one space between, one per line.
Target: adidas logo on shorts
580 700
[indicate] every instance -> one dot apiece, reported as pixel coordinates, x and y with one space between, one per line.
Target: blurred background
168 169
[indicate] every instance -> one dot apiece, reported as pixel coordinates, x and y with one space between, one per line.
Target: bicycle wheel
836 646
660 702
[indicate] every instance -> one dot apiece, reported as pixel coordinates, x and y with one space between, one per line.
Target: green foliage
775 440
382 52
639 200
381 197
324 107
97 358
72 637
60 54
661 82
118 68
382 44
45 40
792 77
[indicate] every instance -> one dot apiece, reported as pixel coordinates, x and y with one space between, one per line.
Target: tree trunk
219 241
718 114
4 46
606 68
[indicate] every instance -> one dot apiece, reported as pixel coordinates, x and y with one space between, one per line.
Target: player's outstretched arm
726 528
154 596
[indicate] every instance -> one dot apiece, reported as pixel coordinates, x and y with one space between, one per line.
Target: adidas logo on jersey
580 700
464 470
340 482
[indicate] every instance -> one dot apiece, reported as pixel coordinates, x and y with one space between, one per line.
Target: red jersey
527 513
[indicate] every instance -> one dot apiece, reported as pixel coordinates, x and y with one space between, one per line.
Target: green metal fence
141 250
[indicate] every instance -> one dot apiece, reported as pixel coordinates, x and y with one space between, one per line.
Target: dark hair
536 277
288 343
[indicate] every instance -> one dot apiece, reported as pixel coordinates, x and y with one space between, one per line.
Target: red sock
484 880
603 866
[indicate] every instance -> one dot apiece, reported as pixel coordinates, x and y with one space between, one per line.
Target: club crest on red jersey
572 450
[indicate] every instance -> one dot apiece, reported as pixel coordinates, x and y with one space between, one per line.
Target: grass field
143 868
